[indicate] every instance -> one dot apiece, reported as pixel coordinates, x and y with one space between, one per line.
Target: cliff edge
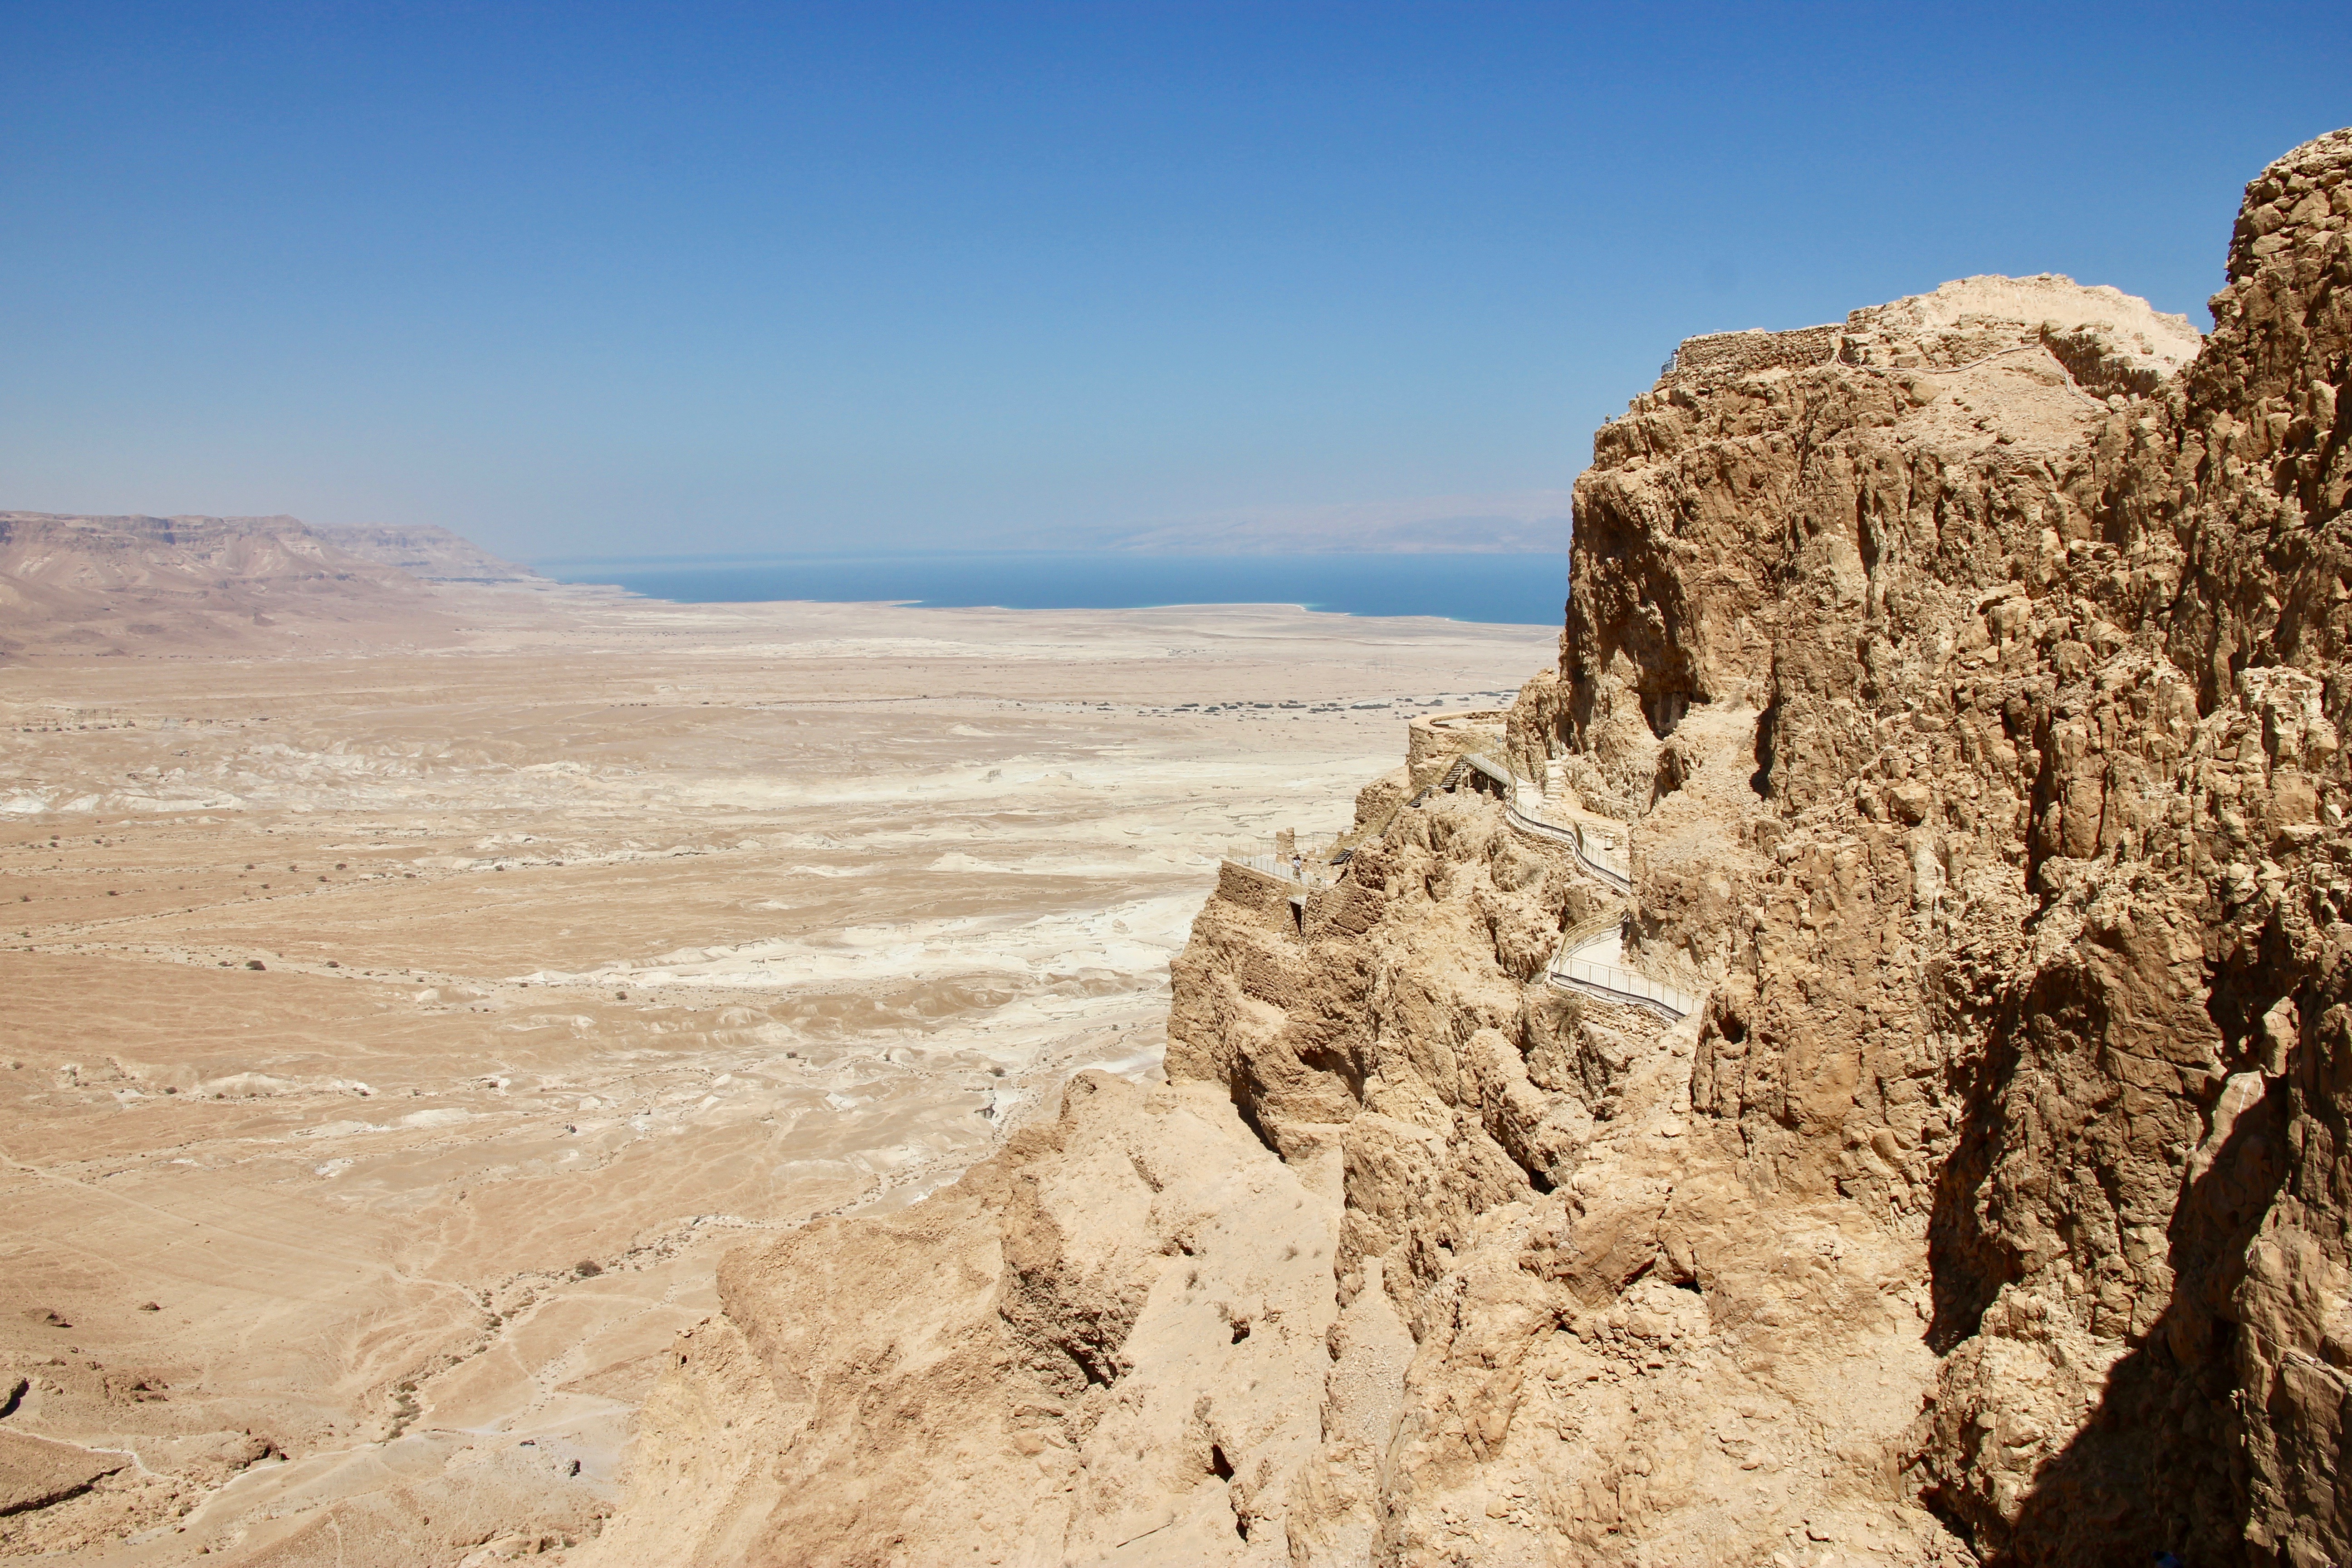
1858 1061
76 587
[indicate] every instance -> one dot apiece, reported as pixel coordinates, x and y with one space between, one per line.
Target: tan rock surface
36 1472
1105 1343
1971 676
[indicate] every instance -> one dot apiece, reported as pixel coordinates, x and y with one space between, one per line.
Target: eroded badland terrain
395 1037
1852 1065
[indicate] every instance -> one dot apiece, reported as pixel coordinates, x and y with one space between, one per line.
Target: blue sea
1513 590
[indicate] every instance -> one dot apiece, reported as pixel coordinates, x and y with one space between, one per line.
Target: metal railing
1614 982
1569 970
1592 849
1590 931
1596 850
1307 873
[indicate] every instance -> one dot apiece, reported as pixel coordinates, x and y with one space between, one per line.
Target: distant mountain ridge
431 555
88 584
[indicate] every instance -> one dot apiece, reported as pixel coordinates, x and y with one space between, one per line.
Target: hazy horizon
1202 278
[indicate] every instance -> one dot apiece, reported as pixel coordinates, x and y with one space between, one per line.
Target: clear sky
579 278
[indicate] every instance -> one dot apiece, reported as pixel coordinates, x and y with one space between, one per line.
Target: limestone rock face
107 555
2031 946
1107 1342
1968 679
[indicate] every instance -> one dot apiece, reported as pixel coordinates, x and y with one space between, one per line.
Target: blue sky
589 279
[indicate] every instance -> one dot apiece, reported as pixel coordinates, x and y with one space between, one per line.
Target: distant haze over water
1509 590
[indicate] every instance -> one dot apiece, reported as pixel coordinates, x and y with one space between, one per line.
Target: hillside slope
83 587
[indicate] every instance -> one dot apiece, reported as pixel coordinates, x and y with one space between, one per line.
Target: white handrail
1567 970
1612 982
1308 874
1572 833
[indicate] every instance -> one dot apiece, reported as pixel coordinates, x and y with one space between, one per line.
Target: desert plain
398 1029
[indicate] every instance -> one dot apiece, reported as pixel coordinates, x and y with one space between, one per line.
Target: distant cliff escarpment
428 554
77 586
1855 1064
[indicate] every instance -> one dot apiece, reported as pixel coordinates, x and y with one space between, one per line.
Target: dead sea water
1499 590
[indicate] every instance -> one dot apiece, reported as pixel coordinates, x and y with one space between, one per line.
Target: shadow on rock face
2151 1471
2154 1464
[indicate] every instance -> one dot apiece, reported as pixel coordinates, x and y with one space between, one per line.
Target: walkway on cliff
1590 959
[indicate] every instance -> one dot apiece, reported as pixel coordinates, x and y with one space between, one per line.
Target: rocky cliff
428 554
80 586
1968 679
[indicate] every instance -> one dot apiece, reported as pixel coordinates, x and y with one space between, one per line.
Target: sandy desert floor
390 1044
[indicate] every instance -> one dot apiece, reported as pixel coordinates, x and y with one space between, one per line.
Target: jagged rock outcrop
1106 1343
2046 644
1970 678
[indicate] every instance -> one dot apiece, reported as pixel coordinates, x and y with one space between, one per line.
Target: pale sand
871 880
